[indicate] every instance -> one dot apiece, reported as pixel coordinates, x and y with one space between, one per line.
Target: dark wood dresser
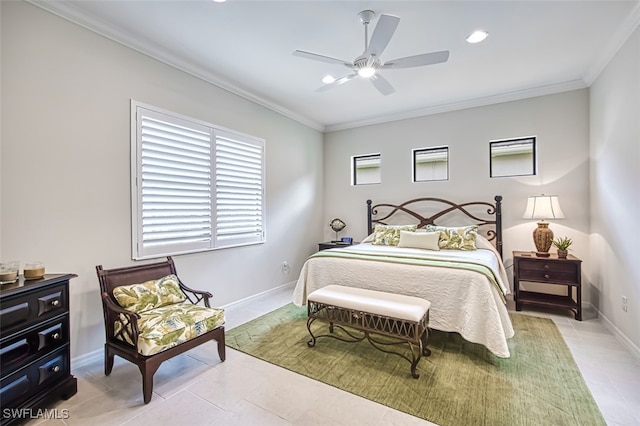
35 364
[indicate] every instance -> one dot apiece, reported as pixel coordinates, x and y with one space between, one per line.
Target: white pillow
369 238
421 240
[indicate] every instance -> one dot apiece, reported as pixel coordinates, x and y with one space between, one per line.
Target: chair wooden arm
117 308
114 314
198 295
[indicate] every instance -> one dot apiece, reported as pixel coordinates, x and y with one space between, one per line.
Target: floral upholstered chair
151 316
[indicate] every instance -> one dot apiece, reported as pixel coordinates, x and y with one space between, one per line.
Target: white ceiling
533 48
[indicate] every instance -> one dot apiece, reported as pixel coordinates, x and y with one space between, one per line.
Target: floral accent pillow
149 295
456 238
389 235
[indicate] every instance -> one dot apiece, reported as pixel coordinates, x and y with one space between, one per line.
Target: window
194 186
365 169
430 164
513 157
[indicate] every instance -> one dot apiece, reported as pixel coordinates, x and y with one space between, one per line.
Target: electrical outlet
624 303
285 267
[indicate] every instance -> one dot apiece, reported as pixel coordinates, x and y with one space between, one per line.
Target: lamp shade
543 207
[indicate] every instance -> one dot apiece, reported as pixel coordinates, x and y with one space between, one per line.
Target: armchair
150 316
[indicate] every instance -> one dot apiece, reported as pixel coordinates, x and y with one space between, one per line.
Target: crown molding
71 13
465 104
618 40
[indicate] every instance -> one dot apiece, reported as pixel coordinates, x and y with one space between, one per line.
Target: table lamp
543 207
337 225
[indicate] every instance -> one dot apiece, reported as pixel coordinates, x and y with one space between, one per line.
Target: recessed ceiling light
219 1
477 36
366 72
328 79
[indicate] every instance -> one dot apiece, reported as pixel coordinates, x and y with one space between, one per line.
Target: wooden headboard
435 211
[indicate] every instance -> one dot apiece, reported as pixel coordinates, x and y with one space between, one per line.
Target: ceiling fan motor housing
366 16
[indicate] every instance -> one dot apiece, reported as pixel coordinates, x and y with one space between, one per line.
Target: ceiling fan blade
336 83
321 58
382 84
385 28
418 60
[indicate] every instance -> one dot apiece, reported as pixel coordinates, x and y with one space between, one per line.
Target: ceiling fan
368 64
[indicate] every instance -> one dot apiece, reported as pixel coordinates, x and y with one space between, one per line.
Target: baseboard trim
86 359
252 298
635 350
95 356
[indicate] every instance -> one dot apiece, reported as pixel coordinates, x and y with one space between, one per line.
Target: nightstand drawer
554 277
554 266
554 271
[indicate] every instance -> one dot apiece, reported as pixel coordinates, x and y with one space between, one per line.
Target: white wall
615 198
559 121
65 149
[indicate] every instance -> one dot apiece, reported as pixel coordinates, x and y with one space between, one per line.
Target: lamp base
542 237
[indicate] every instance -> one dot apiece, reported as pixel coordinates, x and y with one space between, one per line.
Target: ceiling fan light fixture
366 72
368 63
477 36
328 79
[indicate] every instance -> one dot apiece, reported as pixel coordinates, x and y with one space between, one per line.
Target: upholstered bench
405 319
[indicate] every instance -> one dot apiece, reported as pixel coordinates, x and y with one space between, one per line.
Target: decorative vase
562 254
542 238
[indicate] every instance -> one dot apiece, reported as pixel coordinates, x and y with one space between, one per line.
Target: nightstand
332 244
548 270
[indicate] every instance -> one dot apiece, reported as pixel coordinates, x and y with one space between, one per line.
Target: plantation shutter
194 187
239 165
174 184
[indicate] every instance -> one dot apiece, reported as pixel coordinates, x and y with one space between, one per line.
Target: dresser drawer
554 271
26 382
16 313
23 348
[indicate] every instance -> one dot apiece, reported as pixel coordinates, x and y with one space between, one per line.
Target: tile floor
197 389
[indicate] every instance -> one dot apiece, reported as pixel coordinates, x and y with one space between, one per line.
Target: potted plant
562 244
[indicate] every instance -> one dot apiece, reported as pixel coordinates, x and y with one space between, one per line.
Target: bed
467 287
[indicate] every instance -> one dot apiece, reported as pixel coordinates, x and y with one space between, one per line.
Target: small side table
332 244
548 270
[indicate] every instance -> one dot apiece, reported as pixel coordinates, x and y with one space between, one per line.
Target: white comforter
462 301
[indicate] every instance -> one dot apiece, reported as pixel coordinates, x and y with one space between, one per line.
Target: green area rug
461 383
